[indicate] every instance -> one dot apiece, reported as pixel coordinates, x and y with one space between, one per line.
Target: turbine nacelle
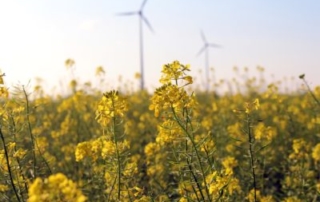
206 44
140 14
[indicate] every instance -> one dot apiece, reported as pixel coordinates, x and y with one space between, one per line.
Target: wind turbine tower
142 20
205 49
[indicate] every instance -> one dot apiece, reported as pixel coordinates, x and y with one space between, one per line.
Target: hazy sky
37 36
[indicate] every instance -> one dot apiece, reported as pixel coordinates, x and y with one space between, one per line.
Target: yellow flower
316 152
4 92
137 75
151 148
222 181
69 63
292 199
20 153
229 162
267 199
174 72
108 149
35 191
111 106
183 199
168 131
55 188
250 106
298 145
318 187
171 97
3 188
263 132
1 79
251 195
143 199
83 149
256 104
100 71
188 79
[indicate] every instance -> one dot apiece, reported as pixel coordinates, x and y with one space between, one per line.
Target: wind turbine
142 19
205 49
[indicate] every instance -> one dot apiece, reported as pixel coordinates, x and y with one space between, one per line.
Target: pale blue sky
38 35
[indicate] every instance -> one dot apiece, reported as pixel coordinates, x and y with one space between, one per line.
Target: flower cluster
316 153
3 90
110 107
107 151
171 97
100 147
175 72
56 187
222 182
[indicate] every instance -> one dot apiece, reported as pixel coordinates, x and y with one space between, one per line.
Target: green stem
185 114
251 154
310 91
30 133
13 133
117 150
33 140
177 159
8 165
112 188
196 181
195 148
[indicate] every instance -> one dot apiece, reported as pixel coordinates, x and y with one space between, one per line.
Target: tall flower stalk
172 102
110 112
109 151
247 112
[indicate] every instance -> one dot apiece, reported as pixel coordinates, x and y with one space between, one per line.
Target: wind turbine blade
127 13
143 4
201 50
214 45
147 22
203 37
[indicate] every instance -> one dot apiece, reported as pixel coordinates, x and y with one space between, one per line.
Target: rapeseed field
178 143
